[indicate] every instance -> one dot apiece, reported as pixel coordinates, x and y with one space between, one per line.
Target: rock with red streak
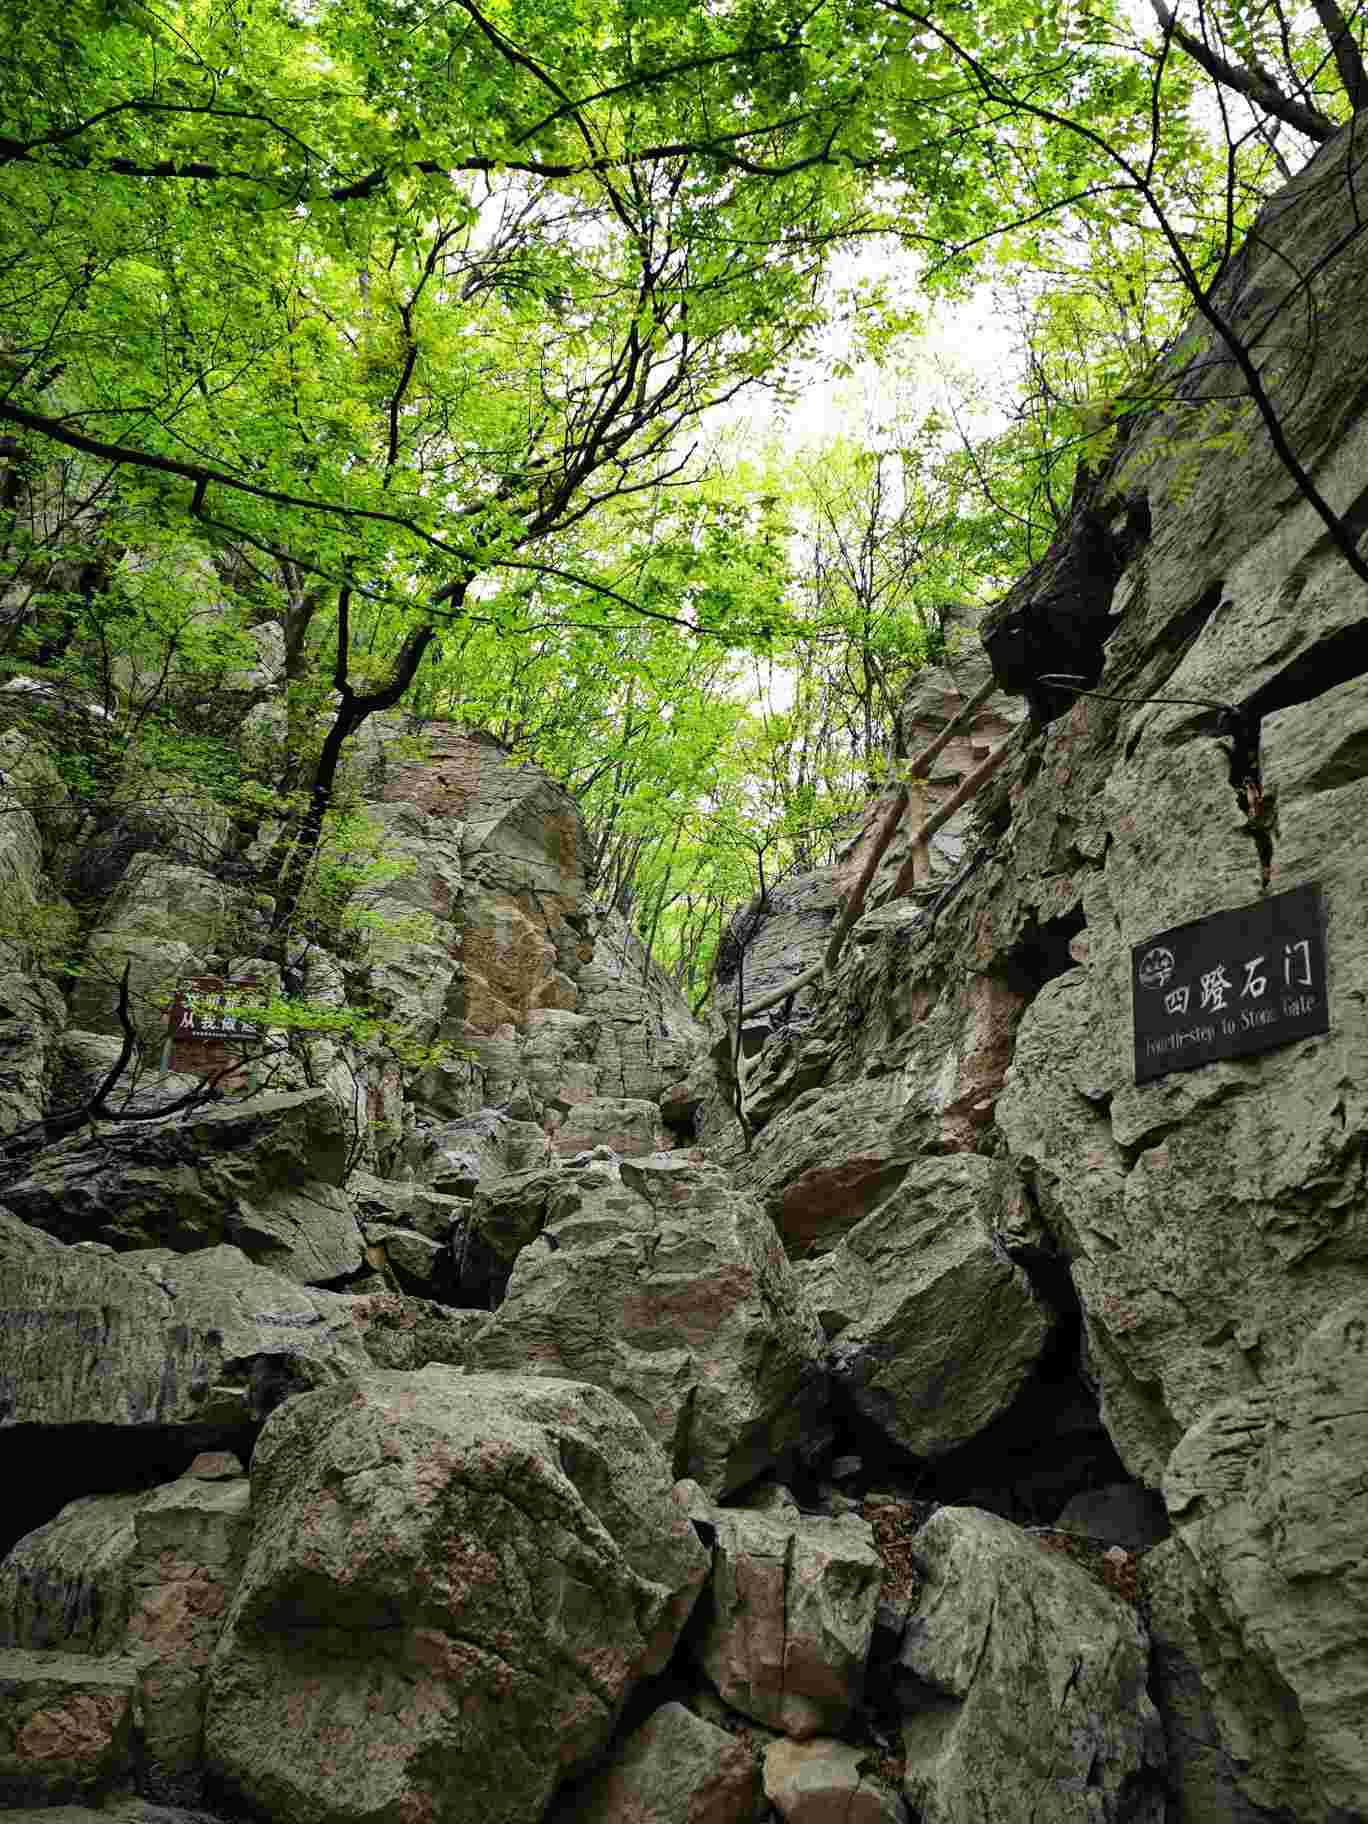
653 1279
66 1726
453 1586
675 1769
784 1626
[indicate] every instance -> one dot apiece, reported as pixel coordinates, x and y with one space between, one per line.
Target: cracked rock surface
453 1585
1024 1686
655 1280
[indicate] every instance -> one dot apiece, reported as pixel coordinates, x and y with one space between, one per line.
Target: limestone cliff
1208 1228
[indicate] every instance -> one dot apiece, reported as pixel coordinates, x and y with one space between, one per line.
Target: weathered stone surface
416 1260
934 1330
508 1215
119 1809
1267 1493
521 846
66 1724
409 950
784 1627
828 1782
146 1577
459 1156
675 1769
630 1128
408 1333
646 1038
1237 1746
32 1015
559 1056
191 1539
84 1061
654 1280
160 922
210 1342
65 1586
263 1174
1028 1695
406 1205
453 1584
827 1161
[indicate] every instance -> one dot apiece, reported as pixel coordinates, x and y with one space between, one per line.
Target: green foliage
396 328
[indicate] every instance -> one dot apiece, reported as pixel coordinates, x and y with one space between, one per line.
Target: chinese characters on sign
204 1009
1230 984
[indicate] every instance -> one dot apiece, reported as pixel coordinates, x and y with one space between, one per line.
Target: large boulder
1266 1492
784 1629
66 1726
453 1585
675 1769
1027 1693
1237 1747
934 1330
145 1577
263 1174
628 1127
829 1159
207 1342
655 1280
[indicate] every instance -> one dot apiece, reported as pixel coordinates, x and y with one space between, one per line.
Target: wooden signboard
1231 984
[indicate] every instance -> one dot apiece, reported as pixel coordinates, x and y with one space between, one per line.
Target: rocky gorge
895 1413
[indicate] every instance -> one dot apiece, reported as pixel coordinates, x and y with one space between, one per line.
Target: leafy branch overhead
405 330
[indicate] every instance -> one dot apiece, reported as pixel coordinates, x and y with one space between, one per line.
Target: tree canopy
402 326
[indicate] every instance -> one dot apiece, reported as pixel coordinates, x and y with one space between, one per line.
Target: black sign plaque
1230 984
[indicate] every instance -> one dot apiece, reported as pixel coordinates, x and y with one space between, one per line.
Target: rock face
825 1782
264 1176
1208 1229
1028 1695
934 1330
784 1629
654 1280
1266 1492
205 1341
452 1587
675 1769
145 1579
66 1726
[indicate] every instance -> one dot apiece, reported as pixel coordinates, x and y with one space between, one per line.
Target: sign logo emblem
1156 966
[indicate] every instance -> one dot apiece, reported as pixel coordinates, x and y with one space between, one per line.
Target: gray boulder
656 1281
934 1330
453 1585
1027 1697
263 1174
829 1159
629 1127
828 1782
784 1627
206 1341
66 1726
675 1769
1266 1494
